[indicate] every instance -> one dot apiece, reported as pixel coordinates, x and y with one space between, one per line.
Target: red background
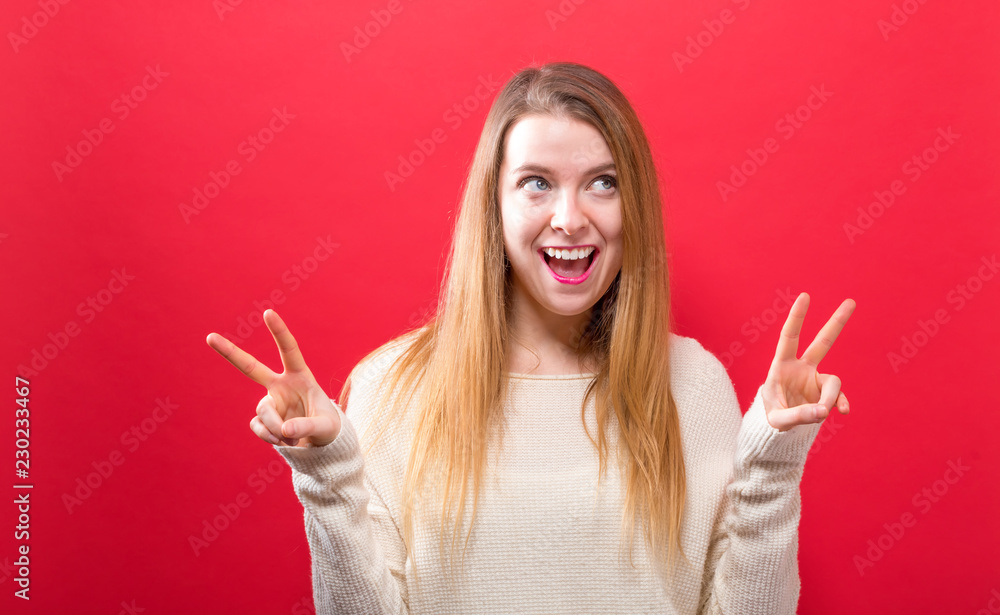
324 175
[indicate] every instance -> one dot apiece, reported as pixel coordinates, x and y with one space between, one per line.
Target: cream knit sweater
546 540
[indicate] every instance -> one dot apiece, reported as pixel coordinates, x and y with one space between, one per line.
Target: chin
570 309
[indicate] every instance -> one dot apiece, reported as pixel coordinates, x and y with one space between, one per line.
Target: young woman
484 485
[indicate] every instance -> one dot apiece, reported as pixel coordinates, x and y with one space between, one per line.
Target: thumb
784 419
319 430
829 390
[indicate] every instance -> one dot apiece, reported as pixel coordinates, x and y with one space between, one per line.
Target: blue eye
533 180
609 180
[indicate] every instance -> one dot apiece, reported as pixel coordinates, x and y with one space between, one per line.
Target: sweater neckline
585 375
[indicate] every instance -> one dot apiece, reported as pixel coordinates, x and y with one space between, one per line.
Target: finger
788 340
320 429
829 390
268 415
291 356
842 405
258 428
244 361
823 341
784 419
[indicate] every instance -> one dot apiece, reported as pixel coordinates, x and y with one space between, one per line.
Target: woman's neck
546 343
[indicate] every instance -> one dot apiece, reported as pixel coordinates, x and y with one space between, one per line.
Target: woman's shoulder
691 362
370 379
373 367
701 385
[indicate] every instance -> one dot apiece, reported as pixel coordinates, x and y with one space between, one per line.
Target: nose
569 216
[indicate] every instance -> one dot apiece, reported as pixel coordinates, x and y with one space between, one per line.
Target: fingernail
820 410
273 440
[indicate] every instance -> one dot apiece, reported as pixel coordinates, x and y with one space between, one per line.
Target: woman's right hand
295 410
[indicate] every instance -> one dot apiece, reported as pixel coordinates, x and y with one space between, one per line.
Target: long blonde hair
458 358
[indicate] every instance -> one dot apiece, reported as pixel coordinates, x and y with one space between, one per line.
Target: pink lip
559 278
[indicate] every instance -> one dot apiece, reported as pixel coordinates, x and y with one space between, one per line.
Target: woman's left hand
795 393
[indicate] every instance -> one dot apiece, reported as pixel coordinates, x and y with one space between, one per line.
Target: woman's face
558 192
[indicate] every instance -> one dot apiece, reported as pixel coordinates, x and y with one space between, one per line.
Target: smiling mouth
570 271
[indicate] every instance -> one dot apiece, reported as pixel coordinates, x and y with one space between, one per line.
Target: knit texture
546 538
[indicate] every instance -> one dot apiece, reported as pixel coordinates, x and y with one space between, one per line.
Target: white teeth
571 255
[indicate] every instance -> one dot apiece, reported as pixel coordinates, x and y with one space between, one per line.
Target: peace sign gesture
295 410
794 385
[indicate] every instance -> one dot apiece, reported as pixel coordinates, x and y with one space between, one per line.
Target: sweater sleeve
358 557
752 562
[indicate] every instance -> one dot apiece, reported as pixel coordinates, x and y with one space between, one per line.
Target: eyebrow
537 168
